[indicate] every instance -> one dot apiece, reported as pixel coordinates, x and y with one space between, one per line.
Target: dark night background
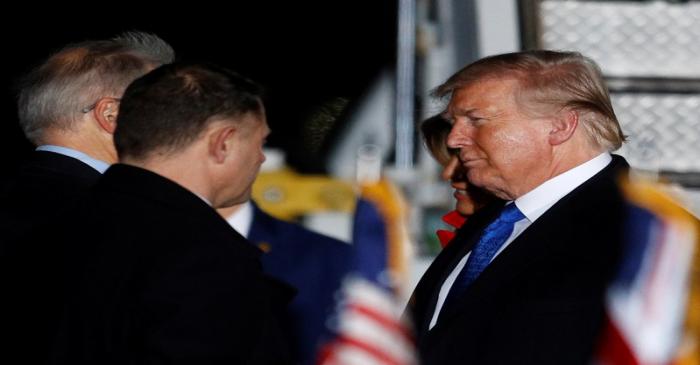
304 53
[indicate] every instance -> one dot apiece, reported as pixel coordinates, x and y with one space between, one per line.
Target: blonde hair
550 81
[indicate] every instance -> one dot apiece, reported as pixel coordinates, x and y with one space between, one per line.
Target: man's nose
460 135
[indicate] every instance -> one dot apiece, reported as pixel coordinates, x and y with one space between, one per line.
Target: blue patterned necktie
483 252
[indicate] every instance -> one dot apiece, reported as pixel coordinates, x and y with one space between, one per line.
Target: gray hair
55 94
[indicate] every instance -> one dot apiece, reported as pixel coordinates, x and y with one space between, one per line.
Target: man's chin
481 181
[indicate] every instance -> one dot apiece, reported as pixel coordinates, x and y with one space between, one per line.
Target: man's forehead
479 95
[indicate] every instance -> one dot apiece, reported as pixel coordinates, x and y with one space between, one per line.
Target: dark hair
549 81
435 131
53 94
168 108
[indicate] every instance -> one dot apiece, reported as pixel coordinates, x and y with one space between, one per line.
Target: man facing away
167 280
523 280
67 107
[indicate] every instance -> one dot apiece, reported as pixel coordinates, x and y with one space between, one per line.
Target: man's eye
478 121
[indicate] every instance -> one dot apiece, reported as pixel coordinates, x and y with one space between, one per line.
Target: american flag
653 307
367 326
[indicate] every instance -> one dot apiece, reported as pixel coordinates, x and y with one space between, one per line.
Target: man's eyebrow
459 111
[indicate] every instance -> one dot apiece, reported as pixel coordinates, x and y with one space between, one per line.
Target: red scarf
455 220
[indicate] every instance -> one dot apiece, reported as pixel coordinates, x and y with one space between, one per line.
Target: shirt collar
539 200
242 219
96 164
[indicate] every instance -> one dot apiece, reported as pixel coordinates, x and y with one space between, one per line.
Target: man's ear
221 142
105 113
563 126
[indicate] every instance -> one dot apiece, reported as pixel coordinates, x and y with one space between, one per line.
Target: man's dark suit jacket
45 190
165 280
313 263
541 300
46 187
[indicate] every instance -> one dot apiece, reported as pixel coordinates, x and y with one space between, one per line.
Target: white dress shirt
242 219
532 205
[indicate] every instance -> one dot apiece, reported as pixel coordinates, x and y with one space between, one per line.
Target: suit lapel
428 288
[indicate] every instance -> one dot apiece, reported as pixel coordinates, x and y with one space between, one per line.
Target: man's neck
563 158
92 146
179 169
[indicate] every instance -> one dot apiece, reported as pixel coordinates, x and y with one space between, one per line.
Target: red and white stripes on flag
369 329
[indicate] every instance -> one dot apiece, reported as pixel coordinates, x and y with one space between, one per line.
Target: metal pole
405 66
